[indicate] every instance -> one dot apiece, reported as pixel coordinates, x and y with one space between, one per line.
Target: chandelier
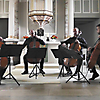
40 11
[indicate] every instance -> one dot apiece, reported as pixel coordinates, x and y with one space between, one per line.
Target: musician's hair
32 32
98 25
77 30
1 39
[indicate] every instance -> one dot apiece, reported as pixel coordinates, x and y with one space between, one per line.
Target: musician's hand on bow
89 48
98 36
64 44
77 41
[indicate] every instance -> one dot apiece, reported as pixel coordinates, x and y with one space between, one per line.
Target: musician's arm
41 42
83 43
69 41
25 43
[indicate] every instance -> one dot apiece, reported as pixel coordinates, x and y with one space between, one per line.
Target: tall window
86 6
77 6
95 6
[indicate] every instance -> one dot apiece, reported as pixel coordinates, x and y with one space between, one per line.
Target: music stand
36 53
66 53
10 50
57 54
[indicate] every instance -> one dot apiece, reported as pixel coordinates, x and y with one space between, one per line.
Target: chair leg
36 72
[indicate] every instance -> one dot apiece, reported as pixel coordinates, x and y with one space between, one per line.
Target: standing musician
82 42
26 43
90 50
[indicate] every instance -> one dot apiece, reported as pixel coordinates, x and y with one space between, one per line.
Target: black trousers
3 70
26 63
79 61
98 63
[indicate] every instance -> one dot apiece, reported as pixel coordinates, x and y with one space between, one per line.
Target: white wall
89 31
23 19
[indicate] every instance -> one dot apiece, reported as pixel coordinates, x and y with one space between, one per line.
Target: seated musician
26 43
82 42
2 69
95 74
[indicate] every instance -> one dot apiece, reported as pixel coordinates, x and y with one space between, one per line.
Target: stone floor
48 87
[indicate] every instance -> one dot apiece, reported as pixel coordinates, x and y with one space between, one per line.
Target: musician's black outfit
26 43
2 71
95 74
83 44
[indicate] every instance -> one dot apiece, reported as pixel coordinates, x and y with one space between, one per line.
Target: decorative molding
66 18
16 22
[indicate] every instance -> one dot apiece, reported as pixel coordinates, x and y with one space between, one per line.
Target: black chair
34 56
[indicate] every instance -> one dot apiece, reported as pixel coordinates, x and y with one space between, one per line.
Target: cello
34 44
94 56
76 47
3 60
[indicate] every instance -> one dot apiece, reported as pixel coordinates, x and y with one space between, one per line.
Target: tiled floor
48 87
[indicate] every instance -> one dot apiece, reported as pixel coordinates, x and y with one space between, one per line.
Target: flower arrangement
54 37
25 37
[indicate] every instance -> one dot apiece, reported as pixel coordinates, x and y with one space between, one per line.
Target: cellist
82 42
95 74
26 43
4 60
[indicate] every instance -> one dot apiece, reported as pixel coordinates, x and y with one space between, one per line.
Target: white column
23 18
60 18
11 19
16 20
70 17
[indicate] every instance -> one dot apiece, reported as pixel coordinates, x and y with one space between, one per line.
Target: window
6 6
1 6
95 6
86 6
77 6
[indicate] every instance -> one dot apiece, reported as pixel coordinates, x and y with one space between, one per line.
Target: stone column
60 19
11 19
70 17
23 18
16 20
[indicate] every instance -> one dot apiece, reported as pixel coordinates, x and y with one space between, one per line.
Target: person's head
98 29
1 39
76 31
32 33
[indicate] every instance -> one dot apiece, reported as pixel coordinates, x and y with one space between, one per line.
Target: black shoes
94 76
75 74
68 73
41 71
3 78
25 72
